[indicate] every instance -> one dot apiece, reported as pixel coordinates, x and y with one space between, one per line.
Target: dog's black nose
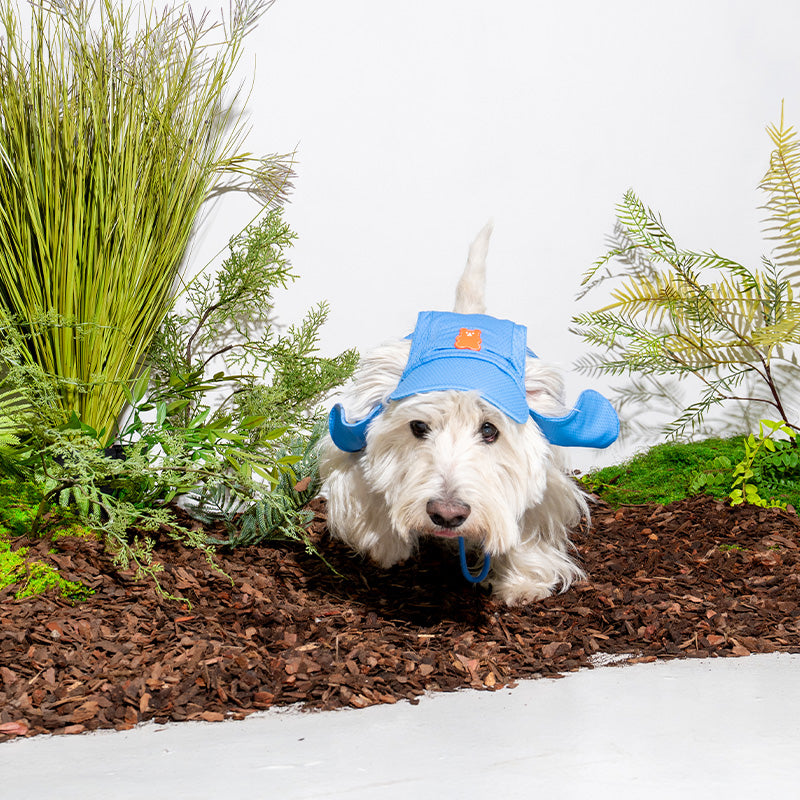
447 513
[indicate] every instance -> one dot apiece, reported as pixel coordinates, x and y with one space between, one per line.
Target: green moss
74 529
663 474
18 505
33 577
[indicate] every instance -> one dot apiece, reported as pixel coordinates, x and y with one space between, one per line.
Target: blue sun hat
476 352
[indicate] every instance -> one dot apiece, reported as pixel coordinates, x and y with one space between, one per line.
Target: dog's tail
471 289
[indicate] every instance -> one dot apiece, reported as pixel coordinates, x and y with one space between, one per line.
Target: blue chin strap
462 559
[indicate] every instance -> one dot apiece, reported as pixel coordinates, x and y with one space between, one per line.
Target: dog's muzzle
447 514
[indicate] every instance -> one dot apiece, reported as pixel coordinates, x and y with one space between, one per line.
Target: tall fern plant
782 185
114 130
681 313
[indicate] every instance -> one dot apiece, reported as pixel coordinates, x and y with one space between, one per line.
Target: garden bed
696 578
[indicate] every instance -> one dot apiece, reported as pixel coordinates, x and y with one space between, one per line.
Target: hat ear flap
349 436
376 376
592 423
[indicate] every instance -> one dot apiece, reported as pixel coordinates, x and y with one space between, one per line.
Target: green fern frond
699 355
740 308
668 299
677 312
646 229
13 406
782 185
611 255
785 331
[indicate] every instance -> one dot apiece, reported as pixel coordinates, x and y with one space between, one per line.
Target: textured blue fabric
592 423
475 352
349 436
467 352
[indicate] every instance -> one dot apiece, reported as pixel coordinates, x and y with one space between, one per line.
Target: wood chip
694 579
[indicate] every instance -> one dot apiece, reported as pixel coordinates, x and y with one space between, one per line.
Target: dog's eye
419 428
489 433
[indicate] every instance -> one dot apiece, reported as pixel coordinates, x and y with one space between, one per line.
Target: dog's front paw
389 550
520 592
532 572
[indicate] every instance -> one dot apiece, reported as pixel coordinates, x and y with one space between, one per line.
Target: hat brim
491 382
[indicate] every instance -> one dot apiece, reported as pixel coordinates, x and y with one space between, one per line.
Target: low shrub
213 439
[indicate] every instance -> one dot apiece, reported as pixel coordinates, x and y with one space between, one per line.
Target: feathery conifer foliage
226 340
681 313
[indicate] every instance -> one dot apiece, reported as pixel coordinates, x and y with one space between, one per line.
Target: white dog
452 438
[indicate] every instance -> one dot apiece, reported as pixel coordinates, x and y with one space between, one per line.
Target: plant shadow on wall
676 314
112 404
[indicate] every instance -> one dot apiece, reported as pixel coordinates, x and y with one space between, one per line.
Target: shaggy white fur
473 472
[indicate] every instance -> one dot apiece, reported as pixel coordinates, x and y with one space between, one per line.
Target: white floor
719 728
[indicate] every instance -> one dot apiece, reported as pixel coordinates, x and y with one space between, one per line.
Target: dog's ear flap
376 378
544 387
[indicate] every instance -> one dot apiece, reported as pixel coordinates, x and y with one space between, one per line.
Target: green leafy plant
713 478
182 436
124 500
280 513
766 475
124 492
114 130
226 343
225 346
681 313
769 467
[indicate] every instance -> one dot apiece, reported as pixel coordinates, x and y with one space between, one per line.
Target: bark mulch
692 579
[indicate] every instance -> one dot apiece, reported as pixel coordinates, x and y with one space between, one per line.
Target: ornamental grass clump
115 128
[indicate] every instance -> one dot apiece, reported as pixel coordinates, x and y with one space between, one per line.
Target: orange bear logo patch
468 339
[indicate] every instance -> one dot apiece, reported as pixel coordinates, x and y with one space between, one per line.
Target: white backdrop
415 122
